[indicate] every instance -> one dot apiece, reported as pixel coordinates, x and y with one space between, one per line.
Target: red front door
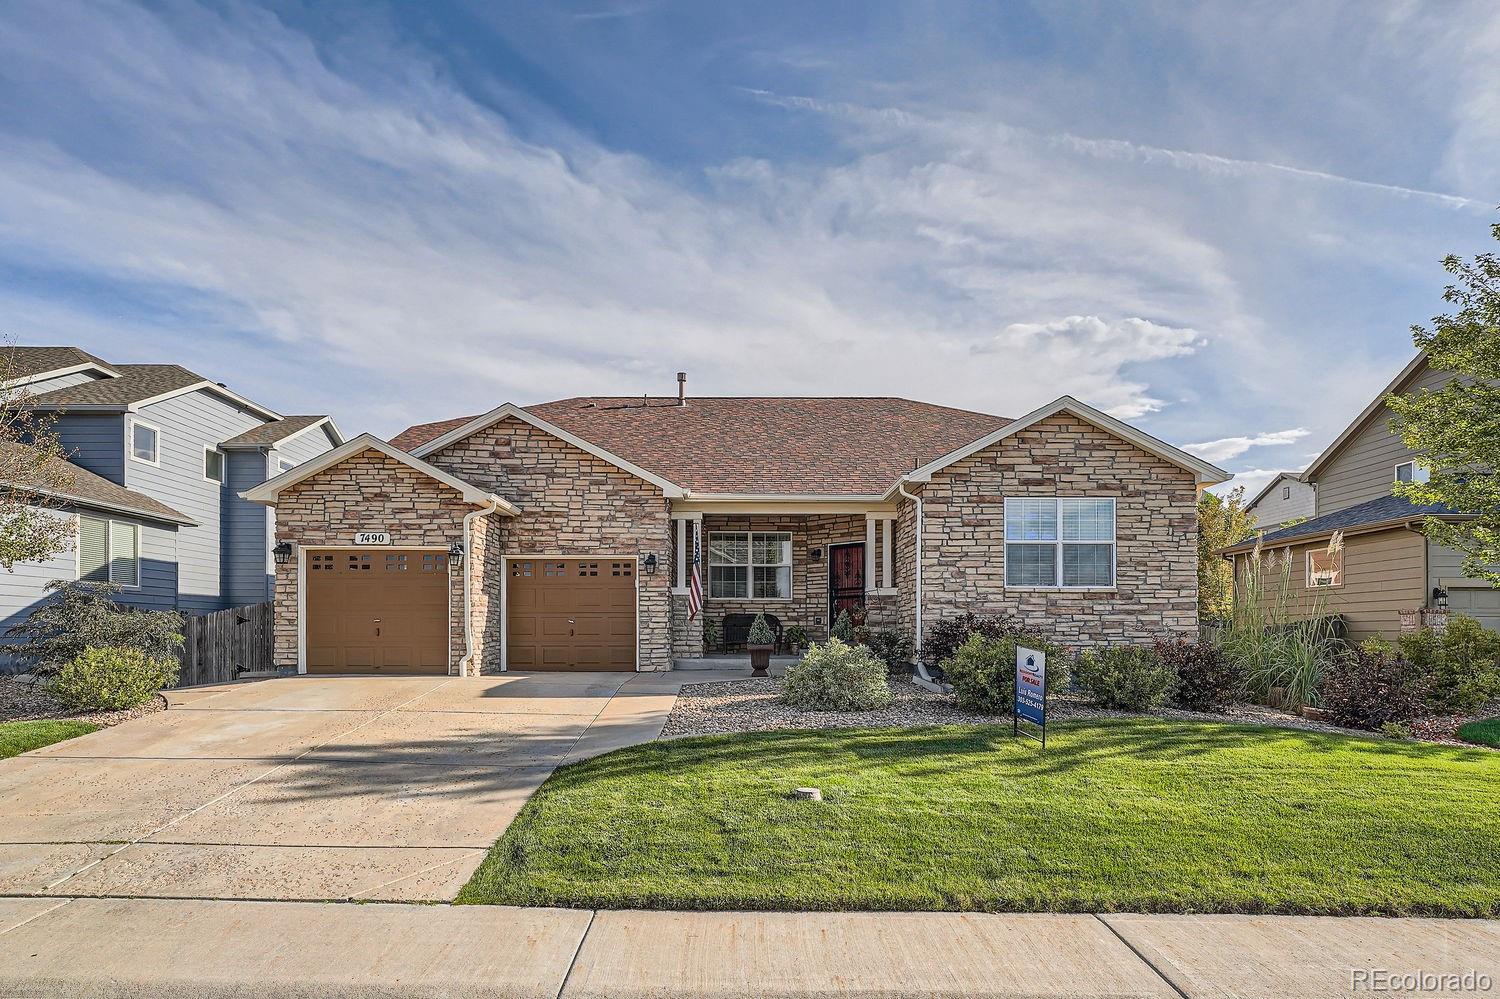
846 579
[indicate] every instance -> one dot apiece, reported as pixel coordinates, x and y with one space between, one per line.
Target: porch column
679 580
887 544
869 553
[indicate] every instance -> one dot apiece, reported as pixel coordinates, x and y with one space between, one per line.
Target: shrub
983 673
111 678
945 636
1129 677
760 632
1462 663
84 616
843 628
1207 680
836 677
796 635
713 633
892 646
1369 688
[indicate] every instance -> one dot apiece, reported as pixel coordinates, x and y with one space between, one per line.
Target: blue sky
1215 220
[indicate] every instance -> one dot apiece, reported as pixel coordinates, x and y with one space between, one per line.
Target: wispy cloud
1232 447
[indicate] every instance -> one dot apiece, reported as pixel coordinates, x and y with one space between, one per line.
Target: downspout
922 678
492 507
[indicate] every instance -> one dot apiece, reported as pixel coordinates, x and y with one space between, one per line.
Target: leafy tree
84 616
1222 521
1455 430
33 472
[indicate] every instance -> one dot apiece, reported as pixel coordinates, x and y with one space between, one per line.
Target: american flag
695 582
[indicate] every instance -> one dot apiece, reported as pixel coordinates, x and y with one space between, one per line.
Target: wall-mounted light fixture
649 564
816 554
456 553
1439 598
283 552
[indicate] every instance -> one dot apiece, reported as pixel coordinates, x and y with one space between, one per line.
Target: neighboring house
561 536
174 445
1387 565
1284 499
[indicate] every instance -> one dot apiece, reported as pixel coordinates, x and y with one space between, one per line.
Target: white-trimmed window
213 465
109 551
1410 471
750 564
282 465
1325 568
1060 543
145 442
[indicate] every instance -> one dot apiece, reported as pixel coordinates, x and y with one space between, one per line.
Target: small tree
83 617
760 632
1222 521
1455 430
33 470
843 628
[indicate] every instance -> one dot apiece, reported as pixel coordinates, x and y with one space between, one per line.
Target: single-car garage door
570 614
380 611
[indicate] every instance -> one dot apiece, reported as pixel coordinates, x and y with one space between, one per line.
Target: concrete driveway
319 788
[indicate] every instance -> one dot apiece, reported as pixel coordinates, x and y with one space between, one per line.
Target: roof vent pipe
682 388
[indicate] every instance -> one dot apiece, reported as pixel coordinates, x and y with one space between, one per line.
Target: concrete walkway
138 947
315 788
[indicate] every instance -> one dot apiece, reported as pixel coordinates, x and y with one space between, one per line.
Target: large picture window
751 564
1060 543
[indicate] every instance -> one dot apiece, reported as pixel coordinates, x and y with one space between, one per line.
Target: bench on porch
737 630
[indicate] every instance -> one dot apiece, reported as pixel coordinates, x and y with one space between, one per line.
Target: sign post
1031 690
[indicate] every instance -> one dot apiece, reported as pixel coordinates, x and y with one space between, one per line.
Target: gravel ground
23 700
752 706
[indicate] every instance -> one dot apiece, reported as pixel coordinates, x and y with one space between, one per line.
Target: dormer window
145 442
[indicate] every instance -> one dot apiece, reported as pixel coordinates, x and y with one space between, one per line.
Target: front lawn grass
1114 815
24 736
1481 733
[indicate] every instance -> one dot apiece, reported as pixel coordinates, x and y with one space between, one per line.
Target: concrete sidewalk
141 947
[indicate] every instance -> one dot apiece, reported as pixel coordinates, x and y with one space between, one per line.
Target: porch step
729 662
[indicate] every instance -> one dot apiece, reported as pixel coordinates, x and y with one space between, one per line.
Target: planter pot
1315 714
760 660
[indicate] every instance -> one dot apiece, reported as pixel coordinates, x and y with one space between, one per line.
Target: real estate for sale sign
1031 689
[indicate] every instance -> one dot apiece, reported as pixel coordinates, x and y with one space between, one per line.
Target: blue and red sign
1031 686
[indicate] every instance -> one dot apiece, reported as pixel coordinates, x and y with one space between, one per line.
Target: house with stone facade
563 536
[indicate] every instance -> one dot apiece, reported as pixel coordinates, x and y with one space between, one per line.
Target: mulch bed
25 700
751 705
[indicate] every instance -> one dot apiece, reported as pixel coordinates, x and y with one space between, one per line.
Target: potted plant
713 635
796 639
760 642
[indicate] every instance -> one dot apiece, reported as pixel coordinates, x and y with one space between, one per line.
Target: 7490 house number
373 538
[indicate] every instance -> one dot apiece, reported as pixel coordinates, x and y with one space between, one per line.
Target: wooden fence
222 645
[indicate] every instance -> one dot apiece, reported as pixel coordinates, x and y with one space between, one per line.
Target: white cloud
1232 447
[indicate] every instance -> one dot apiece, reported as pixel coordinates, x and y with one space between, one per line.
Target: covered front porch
799 564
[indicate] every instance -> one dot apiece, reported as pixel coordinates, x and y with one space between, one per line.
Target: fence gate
220 646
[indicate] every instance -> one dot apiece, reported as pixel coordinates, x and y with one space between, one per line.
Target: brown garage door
571 614
381 611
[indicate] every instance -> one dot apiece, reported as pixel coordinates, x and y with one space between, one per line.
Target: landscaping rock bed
23 699
750 705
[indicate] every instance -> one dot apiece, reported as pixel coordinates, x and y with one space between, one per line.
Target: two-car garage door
386 611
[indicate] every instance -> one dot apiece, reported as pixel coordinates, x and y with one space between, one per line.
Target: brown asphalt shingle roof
269 434
136 382
23 362
761 445
97 492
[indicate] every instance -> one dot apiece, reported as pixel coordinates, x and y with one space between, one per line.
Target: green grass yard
1114 815
24 736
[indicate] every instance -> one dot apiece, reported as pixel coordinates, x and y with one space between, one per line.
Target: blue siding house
162 454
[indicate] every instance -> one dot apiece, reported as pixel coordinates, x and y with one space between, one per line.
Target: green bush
760 632
983 673
835 676
1129 677
1462 663
83 616
796 635
892 646
111 678
843 628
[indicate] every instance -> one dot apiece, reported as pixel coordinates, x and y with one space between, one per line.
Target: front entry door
846 579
